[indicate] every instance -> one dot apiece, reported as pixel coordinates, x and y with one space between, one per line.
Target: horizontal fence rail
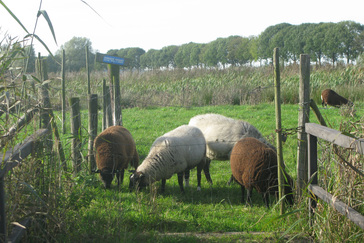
315 131
8 161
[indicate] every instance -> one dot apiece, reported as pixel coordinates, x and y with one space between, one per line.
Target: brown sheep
115 149
330 97
254 165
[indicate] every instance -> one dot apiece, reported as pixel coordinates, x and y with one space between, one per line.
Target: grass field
87 212
68 209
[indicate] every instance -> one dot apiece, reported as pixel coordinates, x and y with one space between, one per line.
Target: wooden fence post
92 129
63 92
303 118
76 134
116 98
277 98
312 173
88 72
317 112
106 106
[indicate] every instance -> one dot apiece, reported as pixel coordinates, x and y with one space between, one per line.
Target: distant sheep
221 134
177 151
254 165
330 97
115 149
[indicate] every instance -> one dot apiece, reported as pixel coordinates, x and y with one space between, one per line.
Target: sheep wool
254 165
114 150
330 97
221 134
175 152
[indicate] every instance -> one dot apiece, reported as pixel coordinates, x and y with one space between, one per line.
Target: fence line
315 131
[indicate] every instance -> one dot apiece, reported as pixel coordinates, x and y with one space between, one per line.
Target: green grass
69 208
87 212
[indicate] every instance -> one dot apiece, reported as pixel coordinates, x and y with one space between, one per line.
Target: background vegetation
324 42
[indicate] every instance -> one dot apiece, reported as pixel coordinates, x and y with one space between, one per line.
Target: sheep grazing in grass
254 165
330 97
115 149
177 151
221 134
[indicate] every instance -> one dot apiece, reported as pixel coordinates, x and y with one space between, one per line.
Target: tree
348 32
167 56
331 45
268 40
75 53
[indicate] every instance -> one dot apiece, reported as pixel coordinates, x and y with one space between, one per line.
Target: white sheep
177 151
221 134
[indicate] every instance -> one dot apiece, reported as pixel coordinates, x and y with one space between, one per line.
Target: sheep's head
106 175
137 180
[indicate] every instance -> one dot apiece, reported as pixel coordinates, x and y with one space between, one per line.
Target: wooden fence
315 131
12 158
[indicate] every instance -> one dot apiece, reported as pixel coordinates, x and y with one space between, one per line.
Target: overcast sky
153 24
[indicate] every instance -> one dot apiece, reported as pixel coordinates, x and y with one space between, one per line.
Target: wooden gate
315 131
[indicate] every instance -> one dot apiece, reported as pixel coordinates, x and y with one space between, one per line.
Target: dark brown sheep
330 97
254 165
115 149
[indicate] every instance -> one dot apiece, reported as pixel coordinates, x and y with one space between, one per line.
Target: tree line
324 42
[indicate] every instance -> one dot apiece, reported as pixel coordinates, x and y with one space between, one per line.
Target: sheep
221 134
254 165
114 150
330 97
177 151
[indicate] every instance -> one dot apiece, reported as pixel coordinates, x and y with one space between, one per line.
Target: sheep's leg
163 185
187 177
180 180
121 177
242 193
206 170
265 196
230 180
249 197
199 169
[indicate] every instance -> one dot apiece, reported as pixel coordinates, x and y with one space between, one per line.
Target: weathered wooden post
45 111
303 118
317 112
92 129
63 92
76 134
88 72
277 99
114 64
107 118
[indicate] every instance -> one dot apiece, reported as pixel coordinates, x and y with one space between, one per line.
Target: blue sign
111 59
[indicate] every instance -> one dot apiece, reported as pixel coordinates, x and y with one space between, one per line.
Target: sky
154 24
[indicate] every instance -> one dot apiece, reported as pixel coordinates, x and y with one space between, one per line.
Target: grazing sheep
330 97
115 149
221 134
254 165
177 151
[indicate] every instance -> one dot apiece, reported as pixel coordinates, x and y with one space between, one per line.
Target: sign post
114 64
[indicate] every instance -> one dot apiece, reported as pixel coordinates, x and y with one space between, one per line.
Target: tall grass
199 87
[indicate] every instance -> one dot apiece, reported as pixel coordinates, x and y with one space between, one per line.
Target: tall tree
348 31
75 53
